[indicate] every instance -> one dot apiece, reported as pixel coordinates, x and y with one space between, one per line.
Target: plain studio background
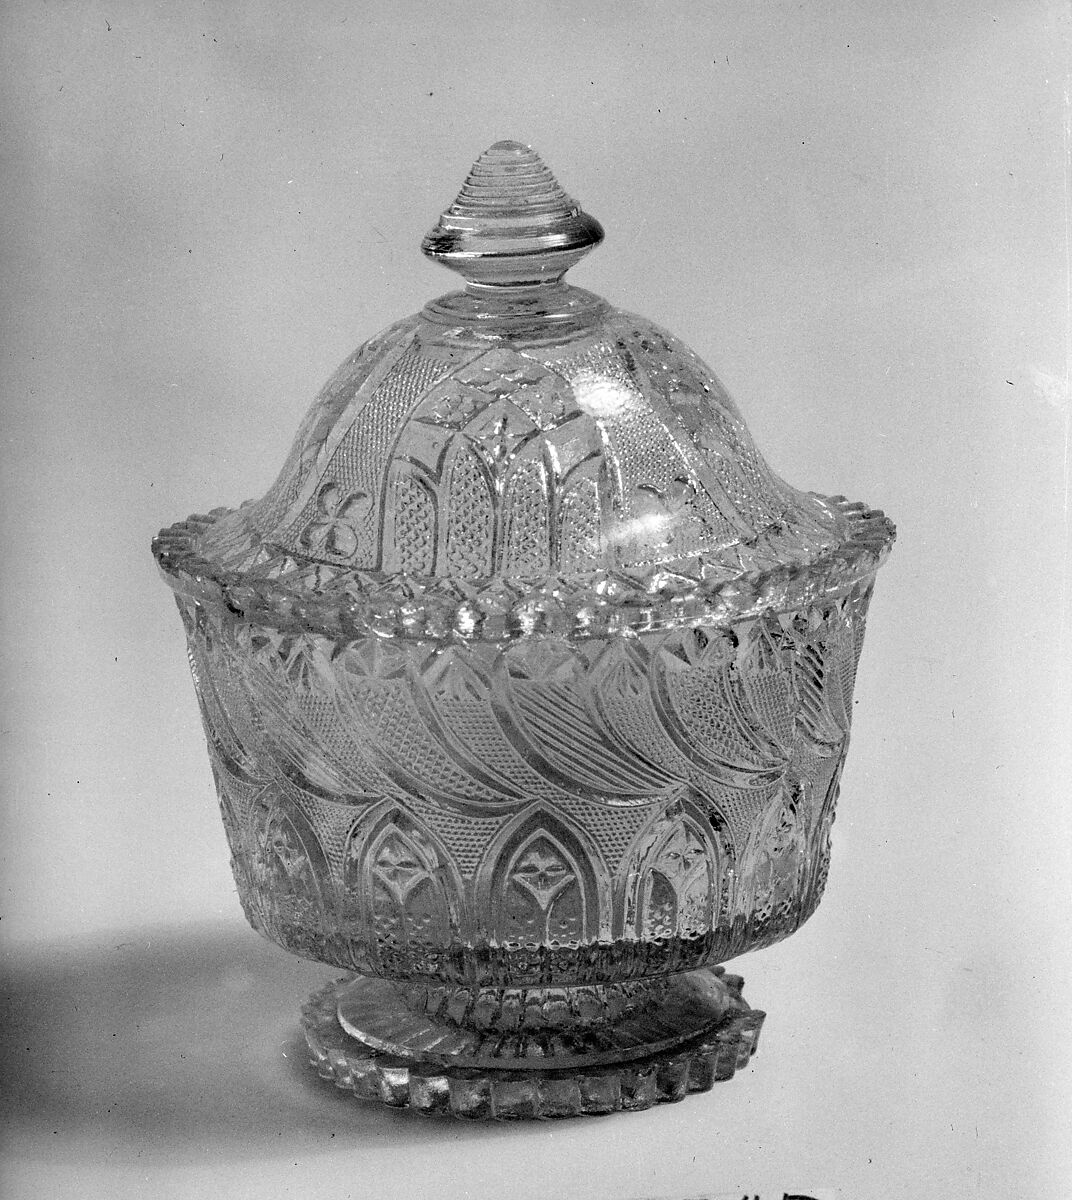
856 213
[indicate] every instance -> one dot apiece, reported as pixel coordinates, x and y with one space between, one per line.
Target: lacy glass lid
521 457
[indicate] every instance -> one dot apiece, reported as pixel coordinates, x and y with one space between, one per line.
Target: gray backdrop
856 213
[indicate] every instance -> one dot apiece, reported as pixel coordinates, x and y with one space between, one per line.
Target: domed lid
521 457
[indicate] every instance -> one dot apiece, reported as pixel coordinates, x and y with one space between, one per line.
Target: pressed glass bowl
527 688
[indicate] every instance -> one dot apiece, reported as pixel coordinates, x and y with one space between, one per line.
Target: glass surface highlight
527 688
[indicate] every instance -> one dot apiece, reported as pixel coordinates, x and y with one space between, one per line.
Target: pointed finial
512 225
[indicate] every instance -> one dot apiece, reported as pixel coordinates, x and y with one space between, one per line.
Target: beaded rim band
346 604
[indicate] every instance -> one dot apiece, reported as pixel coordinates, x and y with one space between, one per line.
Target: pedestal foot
502 1053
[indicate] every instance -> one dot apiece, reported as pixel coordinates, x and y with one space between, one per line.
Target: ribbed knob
512 225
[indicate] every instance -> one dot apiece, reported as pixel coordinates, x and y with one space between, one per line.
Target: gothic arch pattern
496 471
526 533
678 882
543 883
580 520
402 890
416 529
469 552
286 869
568 791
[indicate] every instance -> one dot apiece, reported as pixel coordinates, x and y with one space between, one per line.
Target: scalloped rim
347 604
518 1095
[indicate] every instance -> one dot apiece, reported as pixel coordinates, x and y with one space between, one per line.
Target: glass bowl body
541 810
527 670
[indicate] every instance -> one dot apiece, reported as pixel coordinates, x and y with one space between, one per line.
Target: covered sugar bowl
527 688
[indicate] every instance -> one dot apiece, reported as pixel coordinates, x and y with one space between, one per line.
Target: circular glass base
534 1052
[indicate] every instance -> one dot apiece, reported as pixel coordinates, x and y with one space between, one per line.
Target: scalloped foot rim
542 1073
